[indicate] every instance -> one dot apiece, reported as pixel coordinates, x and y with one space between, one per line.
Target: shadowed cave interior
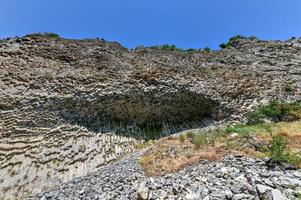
143 115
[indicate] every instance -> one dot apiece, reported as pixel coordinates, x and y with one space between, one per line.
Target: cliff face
55 90
93 81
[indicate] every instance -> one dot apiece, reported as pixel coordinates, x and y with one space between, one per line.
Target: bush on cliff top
166 47
234 38
46 34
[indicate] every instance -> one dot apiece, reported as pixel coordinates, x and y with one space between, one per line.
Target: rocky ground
233 177
68 107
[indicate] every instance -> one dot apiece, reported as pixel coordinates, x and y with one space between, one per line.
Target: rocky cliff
68 107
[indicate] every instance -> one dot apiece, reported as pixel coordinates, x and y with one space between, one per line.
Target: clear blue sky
185 23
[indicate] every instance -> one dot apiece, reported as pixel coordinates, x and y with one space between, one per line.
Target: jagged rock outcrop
53 90
233 177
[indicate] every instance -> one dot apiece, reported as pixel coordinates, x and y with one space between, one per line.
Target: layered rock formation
73 105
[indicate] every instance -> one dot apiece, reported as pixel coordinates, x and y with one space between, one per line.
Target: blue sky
185 23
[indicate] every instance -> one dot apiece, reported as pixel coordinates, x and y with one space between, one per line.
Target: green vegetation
203 139
52 35
281 142
190 135
233 39
207 49
166 47
288 87
242 130
182 138
277 150
278 141
190 50
46 34
253 38
276 111
224 45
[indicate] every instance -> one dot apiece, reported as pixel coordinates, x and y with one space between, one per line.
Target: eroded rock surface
233 177
58 95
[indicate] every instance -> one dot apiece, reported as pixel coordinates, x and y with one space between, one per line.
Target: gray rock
81 191
242 196
297 174
294 182
219 195
143 191
229 194
192 196
263 188
276 194
268 182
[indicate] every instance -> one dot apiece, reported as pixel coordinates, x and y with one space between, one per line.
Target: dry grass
175 153
171 155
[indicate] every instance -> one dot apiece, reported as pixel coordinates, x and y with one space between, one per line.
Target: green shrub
203 140
236 37
288 87
276 111
190 135
277 150
207 49
190 50
182 138
47 34
233 39
52 35
166 47
199 140
223 45
253 38
255 117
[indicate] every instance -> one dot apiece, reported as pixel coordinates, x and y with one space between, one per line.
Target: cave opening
143 115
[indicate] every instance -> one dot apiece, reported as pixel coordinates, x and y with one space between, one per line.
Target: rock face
233 177
39 159
58 94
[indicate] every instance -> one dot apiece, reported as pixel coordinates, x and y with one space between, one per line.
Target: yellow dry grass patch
171 154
